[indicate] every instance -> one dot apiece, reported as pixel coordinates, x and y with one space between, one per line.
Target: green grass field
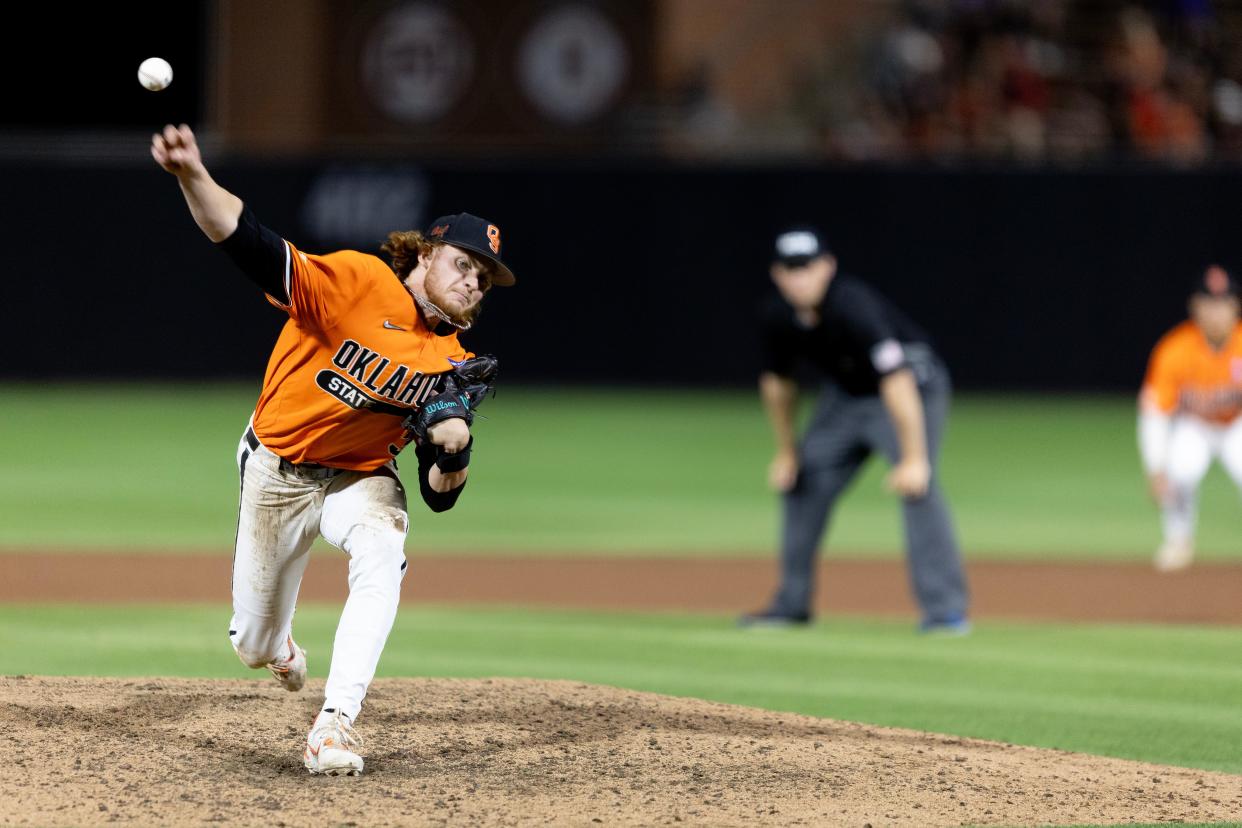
1166 695
649 473
580 472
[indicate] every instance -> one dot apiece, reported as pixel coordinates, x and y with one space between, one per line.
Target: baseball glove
462 391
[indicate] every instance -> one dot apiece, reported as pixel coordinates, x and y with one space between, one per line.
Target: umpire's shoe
954 626
328 746
774 618
291 672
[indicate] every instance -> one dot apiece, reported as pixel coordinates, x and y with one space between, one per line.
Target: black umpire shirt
860 337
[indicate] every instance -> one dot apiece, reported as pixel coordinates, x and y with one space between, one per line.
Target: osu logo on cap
439 231
493 238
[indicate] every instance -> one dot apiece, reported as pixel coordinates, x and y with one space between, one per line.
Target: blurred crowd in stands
1061 81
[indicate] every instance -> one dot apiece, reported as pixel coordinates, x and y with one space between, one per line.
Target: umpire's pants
843 433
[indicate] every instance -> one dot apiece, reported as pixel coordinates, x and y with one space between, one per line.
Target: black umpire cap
476 235
798 245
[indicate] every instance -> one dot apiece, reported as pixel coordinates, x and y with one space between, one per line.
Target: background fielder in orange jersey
1190 410
365 347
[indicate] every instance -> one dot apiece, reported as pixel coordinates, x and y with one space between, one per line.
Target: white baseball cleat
291 673
1174 555
328 746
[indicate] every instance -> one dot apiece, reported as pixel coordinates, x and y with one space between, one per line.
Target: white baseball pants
1193 443
281 512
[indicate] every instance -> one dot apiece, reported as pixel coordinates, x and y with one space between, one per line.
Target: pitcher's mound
517 752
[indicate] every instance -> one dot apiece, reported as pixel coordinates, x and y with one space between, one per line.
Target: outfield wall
628 273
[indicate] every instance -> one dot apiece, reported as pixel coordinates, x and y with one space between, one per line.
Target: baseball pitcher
1190 410
368 362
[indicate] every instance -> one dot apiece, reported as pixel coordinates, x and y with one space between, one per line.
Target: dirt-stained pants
281 512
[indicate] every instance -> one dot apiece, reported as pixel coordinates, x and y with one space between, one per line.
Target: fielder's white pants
1193 443
363 514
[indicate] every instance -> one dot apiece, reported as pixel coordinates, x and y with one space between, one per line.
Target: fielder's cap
798 245
1216 282
476 235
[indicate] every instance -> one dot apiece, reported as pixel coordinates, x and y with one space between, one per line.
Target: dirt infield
515 752
518 752
1206 593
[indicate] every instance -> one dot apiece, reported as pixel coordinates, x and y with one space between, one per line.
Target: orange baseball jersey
1186 373
353 360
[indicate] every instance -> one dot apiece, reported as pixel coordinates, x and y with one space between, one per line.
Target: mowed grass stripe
586 471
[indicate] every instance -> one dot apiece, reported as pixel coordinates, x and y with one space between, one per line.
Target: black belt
310 471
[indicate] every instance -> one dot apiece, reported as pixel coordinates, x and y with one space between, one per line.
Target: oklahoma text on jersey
354 358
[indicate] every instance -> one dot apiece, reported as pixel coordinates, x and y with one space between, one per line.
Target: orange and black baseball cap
1216 282
476 235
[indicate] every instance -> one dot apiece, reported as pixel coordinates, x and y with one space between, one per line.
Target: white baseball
155 74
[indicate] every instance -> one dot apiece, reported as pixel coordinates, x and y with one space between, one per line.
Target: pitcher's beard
434 305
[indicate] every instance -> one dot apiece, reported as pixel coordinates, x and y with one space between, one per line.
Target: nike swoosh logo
392 327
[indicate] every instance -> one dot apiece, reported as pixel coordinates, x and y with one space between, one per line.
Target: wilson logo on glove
433 407
465 387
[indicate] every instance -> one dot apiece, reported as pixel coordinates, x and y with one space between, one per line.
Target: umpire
885 390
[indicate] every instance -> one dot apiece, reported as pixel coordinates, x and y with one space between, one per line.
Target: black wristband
455 462
436 501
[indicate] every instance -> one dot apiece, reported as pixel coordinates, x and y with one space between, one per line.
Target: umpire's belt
308 471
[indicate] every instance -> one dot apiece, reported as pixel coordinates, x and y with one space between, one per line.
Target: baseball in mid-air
155 74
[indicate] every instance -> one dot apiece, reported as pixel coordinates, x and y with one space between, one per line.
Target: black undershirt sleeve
436 501
260 253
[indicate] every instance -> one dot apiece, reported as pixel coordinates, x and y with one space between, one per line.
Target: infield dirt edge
1096 592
